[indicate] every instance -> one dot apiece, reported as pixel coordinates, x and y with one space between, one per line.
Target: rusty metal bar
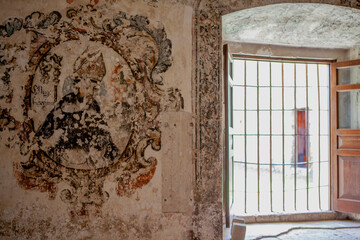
271 197
319 125
283 131
307 138
274 134
245 155
254 86
274 110
295 136
258 137
279 164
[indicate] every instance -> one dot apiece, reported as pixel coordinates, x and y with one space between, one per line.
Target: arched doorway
208 109
298 37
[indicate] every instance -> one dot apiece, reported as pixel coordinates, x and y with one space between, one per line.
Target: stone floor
320 230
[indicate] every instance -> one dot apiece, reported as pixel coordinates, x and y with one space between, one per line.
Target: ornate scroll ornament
91 102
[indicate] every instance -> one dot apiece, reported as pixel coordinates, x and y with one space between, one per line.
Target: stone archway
208 107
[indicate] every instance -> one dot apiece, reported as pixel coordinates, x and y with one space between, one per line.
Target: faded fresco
91 90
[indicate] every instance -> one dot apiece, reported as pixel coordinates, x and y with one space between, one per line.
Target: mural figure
89 122
84 131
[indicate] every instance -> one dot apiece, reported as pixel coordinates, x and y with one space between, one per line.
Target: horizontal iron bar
280 164
274 110
287 189
272 86
277 135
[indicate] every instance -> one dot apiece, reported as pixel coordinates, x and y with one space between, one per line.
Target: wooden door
229 155
345 136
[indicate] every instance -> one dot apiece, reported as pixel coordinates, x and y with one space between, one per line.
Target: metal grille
280 136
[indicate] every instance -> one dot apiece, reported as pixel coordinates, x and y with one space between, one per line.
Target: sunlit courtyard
280 137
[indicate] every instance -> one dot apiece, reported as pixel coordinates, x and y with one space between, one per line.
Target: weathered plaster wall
354 52
130 195
95 124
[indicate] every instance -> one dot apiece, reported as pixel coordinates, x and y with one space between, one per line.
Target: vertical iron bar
283 138
258 137
331 109
245 143
271 200
295 135
307 138
318 85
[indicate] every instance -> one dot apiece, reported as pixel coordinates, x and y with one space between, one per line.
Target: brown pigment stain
84 211
33 183
8 121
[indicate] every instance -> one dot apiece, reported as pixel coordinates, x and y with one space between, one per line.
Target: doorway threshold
294 217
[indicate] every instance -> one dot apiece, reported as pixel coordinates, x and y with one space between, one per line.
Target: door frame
228 194
226 55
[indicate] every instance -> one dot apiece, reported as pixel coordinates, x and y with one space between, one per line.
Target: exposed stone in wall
208 111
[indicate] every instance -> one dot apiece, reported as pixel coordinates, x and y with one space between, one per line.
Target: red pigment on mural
127 187
33 183
116 89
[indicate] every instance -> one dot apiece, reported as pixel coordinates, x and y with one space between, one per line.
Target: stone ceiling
306 25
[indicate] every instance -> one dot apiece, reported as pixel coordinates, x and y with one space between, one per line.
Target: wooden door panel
345 135
349 178
348 206
348 142
348 152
